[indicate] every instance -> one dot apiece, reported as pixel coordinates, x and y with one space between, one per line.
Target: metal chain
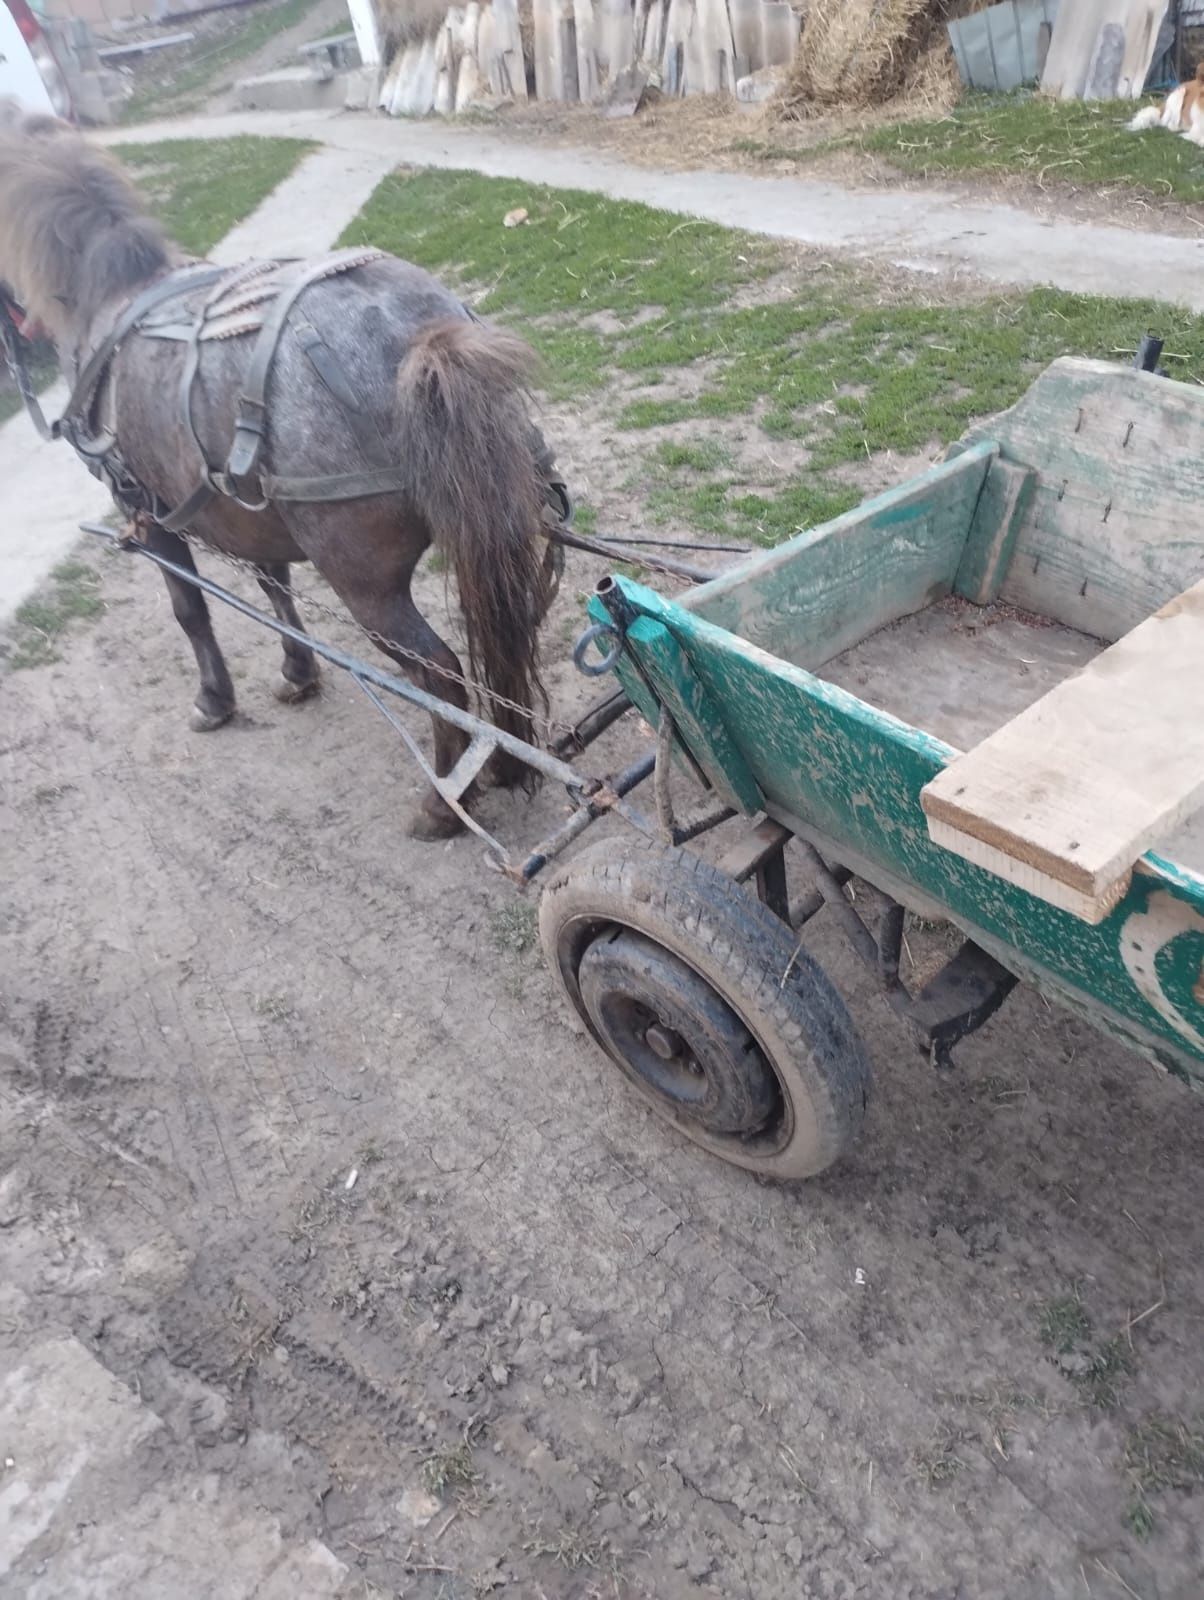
311 603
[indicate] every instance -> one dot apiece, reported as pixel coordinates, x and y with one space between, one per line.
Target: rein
12 340
178 282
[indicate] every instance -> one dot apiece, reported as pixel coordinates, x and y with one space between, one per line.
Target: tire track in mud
197 1034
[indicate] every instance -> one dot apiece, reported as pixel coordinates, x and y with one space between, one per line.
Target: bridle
13 322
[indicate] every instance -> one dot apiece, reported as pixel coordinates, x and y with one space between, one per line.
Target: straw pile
855 53
408 22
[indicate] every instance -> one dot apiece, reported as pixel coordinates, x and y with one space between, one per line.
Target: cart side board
1110 530
852 775
830 586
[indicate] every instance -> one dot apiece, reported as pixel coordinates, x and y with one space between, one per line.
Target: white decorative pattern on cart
1143 936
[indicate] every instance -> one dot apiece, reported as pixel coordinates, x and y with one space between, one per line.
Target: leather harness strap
182 281
250 425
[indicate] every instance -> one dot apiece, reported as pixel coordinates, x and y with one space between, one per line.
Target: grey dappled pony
409 372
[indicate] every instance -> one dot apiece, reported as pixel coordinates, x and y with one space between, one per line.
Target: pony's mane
74 234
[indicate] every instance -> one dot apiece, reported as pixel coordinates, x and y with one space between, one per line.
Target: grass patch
209 71
200 188
71 593
514 927
450 1470
937 1463
1064 1324
579 252
1098 1369
572 1547
1049 141
837 362
1161 1454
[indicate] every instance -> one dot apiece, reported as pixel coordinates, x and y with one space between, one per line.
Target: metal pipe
557 842
531 754
693 828
593 722
890 942
594 547
858 935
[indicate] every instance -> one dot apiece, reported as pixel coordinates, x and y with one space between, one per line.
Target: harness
256 298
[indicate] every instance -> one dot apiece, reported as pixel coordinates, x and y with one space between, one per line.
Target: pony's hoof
289 693
202 721
431 825
504 771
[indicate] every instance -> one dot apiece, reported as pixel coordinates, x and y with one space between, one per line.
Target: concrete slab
290 89
49 1462
82 1450
311 208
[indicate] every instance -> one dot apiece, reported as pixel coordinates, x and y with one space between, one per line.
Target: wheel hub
674 1036
665 1042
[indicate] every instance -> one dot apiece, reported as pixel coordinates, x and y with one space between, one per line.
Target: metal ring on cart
598 669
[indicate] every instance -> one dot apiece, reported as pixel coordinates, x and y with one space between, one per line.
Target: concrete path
44 491
930 231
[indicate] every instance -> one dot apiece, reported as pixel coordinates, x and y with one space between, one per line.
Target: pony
379 380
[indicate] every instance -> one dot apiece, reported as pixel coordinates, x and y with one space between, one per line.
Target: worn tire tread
742 949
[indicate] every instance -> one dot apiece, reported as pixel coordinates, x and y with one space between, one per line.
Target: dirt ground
298 1143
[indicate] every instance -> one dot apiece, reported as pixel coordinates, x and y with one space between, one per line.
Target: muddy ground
537 1345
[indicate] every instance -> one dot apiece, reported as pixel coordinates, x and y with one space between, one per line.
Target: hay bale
406 22
855 53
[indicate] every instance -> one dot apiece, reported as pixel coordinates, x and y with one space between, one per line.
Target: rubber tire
742 950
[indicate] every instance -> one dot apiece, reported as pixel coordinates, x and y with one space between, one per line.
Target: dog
1181 112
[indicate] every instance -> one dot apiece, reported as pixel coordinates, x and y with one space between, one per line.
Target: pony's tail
468 443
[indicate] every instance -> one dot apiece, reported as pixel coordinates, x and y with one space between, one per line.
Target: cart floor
960 671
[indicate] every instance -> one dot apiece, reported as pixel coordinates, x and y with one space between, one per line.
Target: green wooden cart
829 691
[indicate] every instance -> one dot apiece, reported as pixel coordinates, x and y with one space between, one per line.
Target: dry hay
855 53
409 22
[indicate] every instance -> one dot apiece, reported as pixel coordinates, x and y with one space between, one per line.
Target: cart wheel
701 996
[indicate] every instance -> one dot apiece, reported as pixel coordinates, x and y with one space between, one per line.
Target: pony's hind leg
215 697
299 674
404 623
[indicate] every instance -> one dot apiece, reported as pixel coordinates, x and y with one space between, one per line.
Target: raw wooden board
1063 799
1075 41
961 673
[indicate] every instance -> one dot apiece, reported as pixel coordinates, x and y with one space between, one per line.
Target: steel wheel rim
774 1132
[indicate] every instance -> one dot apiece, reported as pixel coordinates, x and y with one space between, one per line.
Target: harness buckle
226 485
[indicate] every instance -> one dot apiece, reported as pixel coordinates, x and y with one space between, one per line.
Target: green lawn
831 361
200 188
1051 142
